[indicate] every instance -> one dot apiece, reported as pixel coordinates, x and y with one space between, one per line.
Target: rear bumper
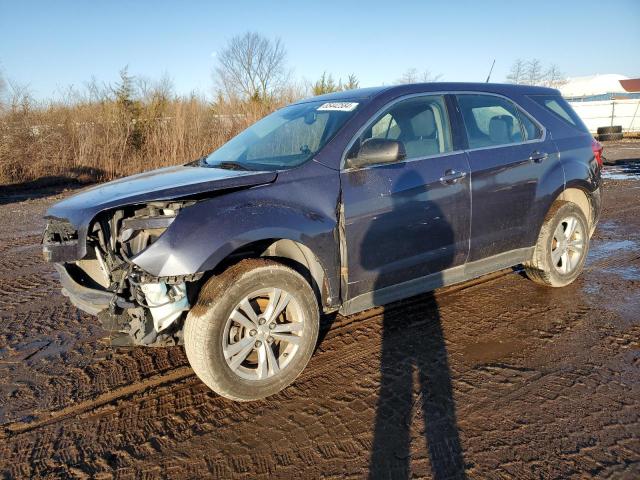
90 300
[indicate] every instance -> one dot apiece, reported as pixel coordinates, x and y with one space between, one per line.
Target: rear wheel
562 246
252 330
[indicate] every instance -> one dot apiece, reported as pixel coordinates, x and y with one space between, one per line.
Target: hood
162 184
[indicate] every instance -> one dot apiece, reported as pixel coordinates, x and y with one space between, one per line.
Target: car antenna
490 70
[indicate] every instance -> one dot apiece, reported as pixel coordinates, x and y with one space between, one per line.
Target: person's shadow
413 346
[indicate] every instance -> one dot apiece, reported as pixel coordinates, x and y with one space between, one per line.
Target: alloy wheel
263 334
567 245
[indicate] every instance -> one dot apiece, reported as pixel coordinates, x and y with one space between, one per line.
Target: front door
411 218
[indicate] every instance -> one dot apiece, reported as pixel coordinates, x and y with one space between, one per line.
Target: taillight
596 146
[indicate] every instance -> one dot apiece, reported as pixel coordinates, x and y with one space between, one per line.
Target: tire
608 137
219 325
614 129
547 266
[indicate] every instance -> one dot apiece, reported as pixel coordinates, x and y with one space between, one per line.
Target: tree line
534 72
105 130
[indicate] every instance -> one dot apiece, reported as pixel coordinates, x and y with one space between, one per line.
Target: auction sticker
338 106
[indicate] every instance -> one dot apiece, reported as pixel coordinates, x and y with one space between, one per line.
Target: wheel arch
579 193
294 254
581 198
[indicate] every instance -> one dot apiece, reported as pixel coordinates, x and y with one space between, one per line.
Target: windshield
284 139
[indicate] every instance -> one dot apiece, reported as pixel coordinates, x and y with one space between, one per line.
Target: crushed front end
99 277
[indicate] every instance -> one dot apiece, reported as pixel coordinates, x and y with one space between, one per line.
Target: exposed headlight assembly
139 231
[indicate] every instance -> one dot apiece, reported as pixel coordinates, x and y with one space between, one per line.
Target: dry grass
102 139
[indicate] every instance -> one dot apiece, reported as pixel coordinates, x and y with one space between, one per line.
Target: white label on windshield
338 106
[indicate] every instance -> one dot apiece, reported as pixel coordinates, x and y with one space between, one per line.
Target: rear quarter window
559 107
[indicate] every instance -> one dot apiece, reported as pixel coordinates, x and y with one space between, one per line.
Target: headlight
132 225
144 228
140 228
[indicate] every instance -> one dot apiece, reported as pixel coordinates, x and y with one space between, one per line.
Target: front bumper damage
90 300
137 308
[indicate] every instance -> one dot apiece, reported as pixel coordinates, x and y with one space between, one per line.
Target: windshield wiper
231 166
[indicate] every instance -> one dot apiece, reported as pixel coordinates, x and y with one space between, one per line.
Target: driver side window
386 128
420 124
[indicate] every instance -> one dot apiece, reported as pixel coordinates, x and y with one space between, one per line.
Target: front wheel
253 329
562 247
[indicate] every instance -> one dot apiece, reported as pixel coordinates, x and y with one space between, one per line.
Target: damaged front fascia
59 241
121 234
163 185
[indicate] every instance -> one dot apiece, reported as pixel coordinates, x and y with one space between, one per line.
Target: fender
301 208
550 185
577 174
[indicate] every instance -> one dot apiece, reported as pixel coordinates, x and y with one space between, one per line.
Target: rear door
408 219
509 152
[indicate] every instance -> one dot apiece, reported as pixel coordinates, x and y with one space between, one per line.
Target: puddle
599 250
491 350
624 171
627 273
36 350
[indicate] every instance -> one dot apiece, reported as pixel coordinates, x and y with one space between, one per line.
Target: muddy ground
496 378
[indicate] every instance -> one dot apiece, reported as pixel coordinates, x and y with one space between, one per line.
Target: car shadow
415 373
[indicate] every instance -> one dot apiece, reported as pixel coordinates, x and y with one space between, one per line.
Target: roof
631 85
593 85
406 89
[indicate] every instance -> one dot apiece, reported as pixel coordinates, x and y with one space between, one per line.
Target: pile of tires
607 134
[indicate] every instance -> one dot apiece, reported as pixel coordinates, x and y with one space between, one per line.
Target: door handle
537 156
452 176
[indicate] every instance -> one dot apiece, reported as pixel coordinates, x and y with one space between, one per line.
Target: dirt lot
497 378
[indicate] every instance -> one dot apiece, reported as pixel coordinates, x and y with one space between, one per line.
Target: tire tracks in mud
326 363
145 415
103 399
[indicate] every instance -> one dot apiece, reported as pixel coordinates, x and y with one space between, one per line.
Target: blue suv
335 203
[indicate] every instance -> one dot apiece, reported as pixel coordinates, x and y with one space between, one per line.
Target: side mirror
378 150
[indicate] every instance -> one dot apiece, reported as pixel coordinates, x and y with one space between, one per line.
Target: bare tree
533 74
553 77
412 75
160 90
21 100
97 91
144 85
251 66
517 72
409 76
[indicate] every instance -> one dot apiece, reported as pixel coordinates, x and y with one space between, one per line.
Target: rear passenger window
491 121
420 123
561 109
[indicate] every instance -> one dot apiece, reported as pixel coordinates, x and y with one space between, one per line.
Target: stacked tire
608 134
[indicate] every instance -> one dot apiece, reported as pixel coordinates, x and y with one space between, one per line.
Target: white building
605 100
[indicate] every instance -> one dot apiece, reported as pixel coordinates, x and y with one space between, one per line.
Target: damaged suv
336 203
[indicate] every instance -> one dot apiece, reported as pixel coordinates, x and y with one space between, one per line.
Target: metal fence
606 113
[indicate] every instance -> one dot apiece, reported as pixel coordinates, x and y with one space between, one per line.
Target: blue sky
52 44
